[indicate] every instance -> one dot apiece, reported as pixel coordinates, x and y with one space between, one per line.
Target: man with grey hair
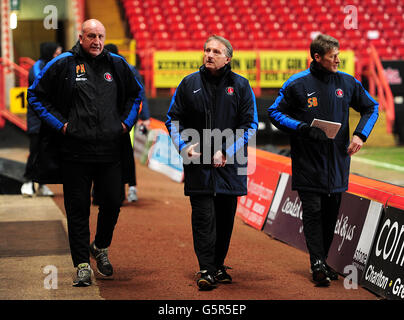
214 99
320 162
88 100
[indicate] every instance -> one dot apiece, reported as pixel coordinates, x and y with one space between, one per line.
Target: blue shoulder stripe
172 128
373 117
131 118
43 113
48 65
295 77
273 110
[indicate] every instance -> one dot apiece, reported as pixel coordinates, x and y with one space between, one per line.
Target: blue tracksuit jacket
316 93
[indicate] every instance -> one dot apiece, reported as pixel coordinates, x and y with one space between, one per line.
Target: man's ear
80 37
228 60
317 57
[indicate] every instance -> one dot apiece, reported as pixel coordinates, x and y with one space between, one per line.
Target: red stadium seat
258 23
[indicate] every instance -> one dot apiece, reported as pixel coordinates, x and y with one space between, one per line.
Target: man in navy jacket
48 51
206 104
88 99
320 165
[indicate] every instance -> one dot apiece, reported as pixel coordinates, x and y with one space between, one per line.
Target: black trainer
206 281
104 267
222 276
320 274
83 278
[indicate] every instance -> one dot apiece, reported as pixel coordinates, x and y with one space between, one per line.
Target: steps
108 13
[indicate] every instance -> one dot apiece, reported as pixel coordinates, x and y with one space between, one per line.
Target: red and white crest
230 91
339 93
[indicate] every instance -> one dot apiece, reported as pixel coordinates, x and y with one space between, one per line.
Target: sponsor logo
293 208
391 249
312 102
310 94
359 259
195 91
398 288
230 91
339 93
344 230
108 76
375 277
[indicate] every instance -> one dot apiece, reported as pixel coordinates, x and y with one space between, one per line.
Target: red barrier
362 186
396 201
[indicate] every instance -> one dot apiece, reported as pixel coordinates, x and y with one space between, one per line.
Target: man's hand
191 153
355 145
313 133
64 128
219 160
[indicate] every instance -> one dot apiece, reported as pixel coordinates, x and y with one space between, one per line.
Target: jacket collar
223 72
319 72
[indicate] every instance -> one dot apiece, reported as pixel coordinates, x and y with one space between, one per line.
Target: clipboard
330 128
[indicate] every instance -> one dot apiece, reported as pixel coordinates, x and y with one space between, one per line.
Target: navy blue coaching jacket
322 166
226 103
64 91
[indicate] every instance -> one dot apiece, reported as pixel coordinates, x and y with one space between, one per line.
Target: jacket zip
329 165
210 113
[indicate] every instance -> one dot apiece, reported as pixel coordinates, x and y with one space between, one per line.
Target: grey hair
229 48
322 44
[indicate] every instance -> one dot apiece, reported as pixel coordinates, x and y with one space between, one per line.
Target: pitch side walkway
152 253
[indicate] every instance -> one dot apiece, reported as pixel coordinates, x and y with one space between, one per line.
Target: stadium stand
266 24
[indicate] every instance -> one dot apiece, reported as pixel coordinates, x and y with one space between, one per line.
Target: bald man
88 100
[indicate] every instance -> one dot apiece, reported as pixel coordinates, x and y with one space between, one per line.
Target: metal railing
8 67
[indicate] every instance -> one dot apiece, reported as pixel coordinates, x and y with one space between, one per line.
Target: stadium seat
258 23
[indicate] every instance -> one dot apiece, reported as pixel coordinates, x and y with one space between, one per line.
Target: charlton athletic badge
108 76
339 93
230 91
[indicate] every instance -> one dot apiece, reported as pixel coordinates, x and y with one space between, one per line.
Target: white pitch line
379 164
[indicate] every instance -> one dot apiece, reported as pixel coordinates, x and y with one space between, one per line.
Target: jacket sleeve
368 108
40 93
248 120
144 113
134 91
279 112
175 117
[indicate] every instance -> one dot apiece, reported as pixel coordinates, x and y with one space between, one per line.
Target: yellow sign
347 63
272 68
18 100
170 67
278 66
245 64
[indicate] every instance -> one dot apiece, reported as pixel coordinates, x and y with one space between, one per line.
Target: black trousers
34 144
212 226
320 213
78 178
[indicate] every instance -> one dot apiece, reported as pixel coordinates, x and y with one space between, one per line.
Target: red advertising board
253 207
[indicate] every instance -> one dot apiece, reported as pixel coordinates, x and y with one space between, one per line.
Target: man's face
214 56
330 60
92 38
